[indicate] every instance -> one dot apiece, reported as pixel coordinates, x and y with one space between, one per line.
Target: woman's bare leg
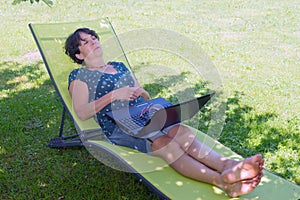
171 151
231 170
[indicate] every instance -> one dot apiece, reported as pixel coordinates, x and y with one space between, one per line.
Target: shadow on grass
158 87
241 121
13 73
249 133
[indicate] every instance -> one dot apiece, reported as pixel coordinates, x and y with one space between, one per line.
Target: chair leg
62 122
64 141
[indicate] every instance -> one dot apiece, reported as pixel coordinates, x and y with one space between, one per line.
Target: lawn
255 46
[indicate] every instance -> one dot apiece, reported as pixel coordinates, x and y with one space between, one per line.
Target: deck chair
152 171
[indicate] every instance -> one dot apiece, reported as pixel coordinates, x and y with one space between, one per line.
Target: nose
92 41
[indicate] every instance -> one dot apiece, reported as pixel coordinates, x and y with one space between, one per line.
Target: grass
254 45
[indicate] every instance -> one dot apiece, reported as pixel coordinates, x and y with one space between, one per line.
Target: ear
79 56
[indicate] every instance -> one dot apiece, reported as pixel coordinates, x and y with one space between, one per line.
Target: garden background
255 45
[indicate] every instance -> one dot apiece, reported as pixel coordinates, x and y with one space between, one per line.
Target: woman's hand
127 93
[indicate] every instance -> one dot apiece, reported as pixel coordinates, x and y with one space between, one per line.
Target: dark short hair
73 41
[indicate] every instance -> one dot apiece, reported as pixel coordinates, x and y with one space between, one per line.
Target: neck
95 63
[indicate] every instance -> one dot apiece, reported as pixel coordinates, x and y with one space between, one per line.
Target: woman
98 87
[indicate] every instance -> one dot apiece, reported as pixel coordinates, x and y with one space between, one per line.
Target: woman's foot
242 187
243 170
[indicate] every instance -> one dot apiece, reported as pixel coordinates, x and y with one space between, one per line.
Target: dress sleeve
124 68
121 67
72 76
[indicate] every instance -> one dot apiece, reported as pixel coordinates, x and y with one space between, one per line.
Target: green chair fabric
152 171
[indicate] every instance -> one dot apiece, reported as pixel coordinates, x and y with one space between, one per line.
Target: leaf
47 2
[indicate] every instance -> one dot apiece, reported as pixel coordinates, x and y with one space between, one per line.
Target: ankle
227 164
219 182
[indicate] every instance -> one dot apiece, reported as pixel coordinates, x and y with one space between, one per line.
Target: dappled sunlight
123 154
3 95
158 168
2 170
170 157
265 179
21 82
2 150
150 161
42 184
18 79
179 183
14 77
218 190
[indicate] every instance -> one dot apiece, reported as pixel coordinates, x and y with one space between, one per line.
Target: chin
98 51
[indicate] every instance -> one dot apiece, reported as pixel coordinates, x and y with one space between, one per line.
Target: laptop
147 118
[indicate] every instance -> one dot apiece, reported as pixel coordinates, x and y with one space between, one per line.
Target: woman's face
89 47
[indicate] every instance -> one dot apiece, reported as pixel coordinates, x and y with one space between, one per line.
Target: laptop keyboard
134 122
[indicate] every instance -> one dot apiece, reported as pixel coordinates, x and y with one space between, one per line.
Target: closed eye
86 40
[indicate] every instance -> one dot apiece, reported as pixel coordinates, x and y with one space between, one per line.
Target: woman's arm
80 97
140 91
85 109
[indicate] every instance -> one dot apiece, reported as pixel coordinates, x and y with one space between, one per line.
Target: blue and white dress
99 84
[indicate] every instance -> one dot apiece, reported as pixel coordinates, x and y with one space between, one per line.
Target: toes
242 187
257 159
244 170
261 164
257 179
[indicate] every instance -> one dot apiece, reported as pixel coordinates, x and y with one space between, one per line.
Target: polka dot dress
100 84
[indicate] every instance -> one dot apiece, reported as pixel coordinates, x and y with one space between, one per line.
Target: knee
180 131
167 148
161 142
